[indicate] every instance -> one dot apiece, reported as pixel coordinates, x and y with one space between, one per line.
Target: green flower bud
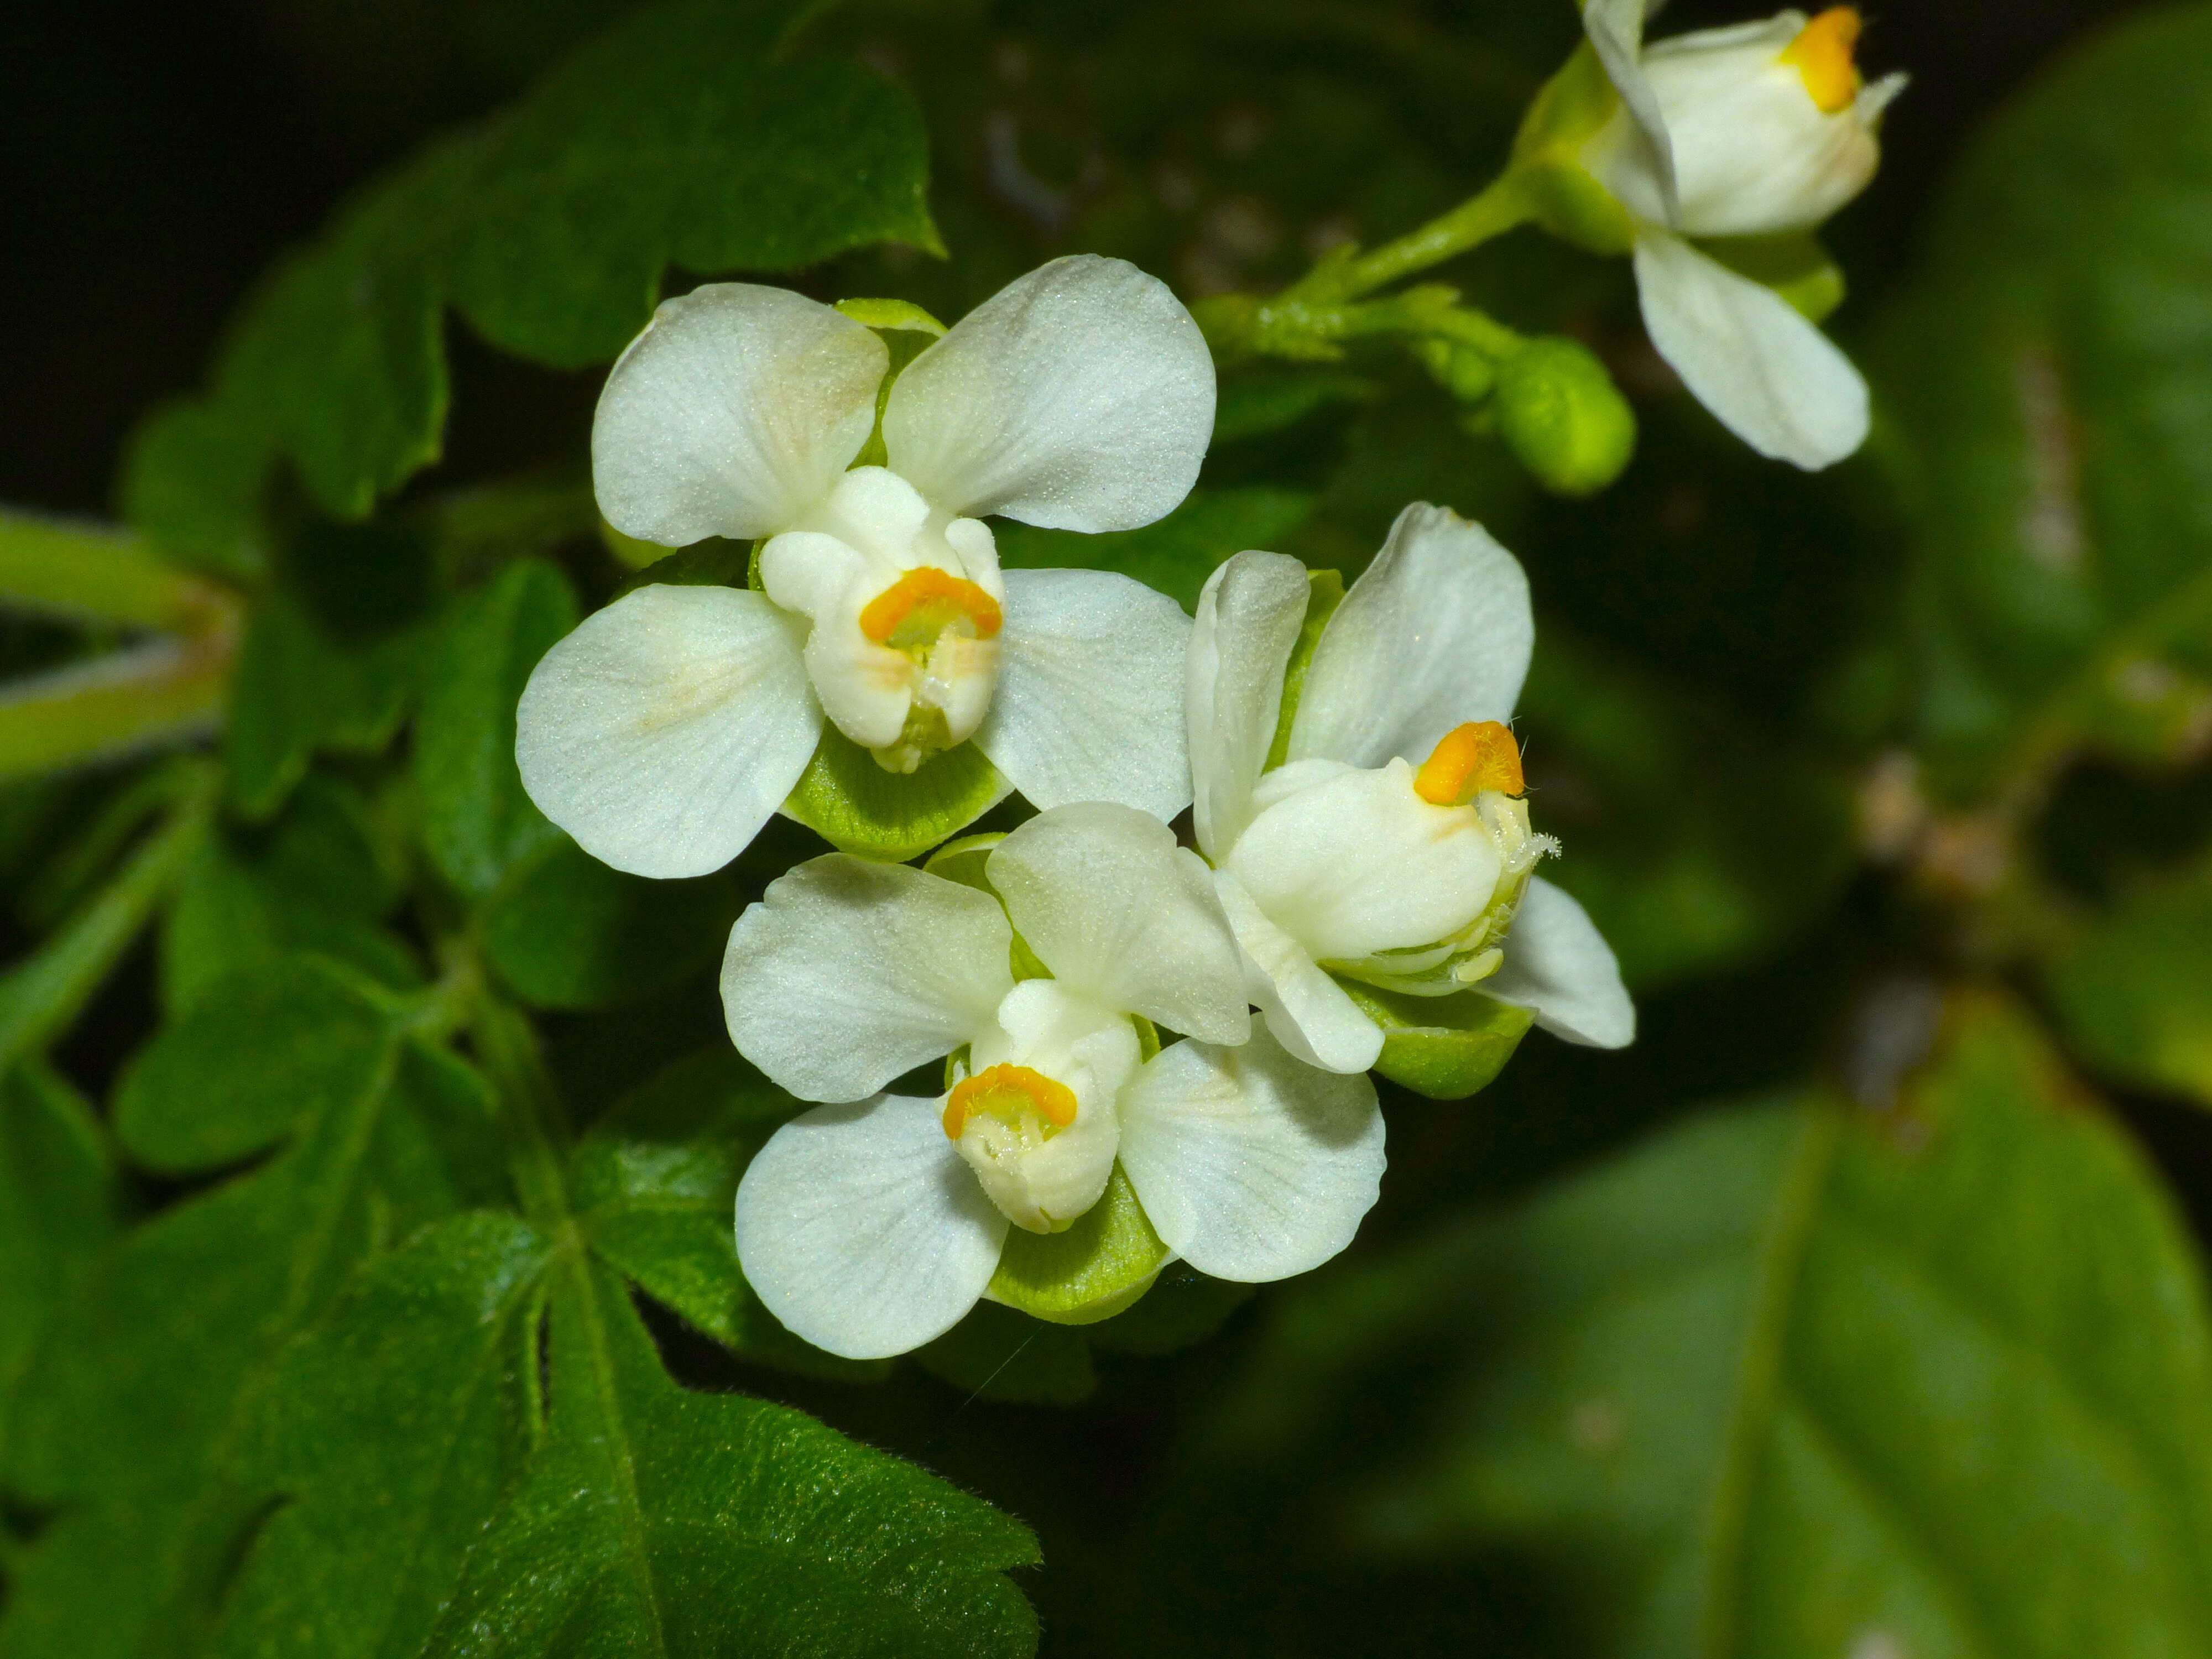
1559 413
1468 373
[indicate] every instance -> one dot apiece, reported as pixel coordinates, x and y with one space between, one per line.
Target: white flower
1758 129
663 733
1389 847
871 1225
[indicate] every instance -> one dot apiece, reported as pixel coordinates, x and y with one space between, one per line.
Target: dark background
154 158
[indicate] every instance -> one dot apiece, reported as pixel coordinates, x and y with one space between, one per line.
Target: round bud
1559 413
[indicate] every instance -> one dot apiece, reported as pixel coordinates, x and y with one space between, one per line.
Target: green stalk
94 573
162 691
1498 207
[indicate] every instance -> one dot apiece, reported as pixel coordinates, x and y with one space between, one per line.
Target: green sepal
717 562
1566 199
964 861
1795 265
856 806
1445 1047
1092 1271
907 331
1324 592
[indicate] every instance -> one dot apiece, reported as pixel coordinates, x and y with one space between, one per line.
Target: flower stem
1492 212
531 1116
90 571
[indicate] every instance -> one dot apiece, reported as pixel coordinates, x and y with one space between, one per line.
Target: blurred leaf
299 688
1183 1309
1175 555
1693 843
58 1206
1789 1380
2135 991
2051 383
1259 404
476 821
567 932
652 1521
655 1186
131 1408
856 806
681 138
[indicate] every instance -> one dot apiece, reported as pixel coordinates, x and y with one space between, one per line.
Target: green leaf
59 1202
2051 380
2135 991
130 1413
299 689
1183 1309
1099 1266
393 1429
655 1186
1445 1047
1175 554
315 1041
1797 1380
566 931
1693 842
856 806
656 1522
682 138
476 821
1259 404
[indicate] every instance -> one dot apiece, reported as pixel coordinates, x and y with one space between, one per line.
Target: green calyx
1562 195
964 861
1098 1266
1445 1047
1324 592
857 807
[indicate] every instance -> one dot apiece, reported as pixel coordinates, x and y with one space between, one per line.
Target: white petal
1355 862
1090 699
1080 397
663 733
848 973
1307 1011
861 1228
1771 377
1120 913
1251 1164
1615 28
1435 633
1558 966
1249 618
733 414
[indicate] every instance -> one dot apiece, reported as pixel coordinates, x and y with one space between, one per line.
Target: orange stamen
1008 1091
1822 54
1469 759
914 609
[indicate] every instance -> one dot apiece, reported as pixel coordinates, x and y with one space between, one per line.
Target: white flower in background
1758 130
1389 846
870 1226
663 733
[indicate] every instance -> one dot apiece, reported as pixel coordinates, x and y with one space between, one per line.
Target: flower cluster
1102 1100
1711 158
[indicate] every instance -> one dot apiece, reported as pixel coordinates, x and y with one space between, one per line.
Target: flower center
913 611
1822 54
1468 760
1022 1098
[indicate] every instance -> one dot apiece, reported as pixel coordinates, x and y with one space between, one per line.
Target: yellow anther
1822 54
1469 759
916 608
1011 1091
